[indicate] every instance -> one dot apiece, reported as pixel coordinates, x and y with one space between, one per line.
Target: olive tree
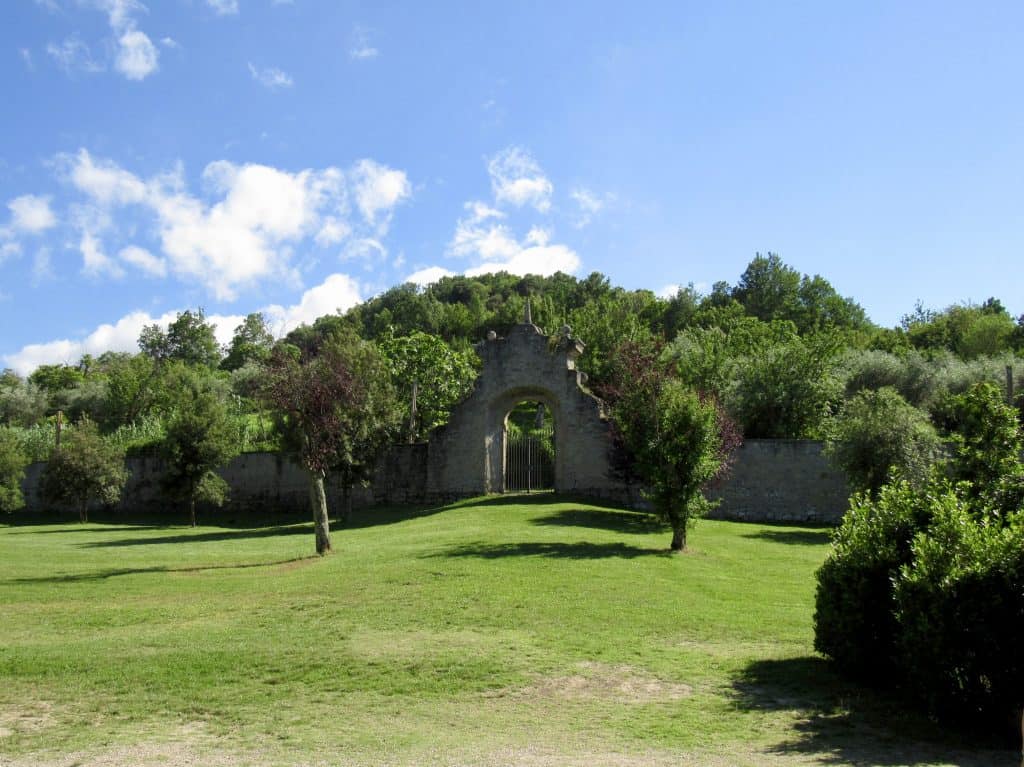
877 432
336 409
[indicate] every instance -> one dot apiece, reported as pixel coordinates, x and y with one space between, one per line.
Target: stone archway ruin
466 457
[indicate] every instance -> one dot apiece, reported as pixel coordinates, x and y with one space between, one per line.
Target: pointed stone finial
527 317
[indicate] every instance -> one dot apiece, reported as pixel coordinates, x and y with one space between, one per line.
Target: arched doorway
530 448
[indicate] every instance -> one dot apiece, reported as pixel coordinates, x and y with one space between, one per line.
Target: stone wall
785 480
771 480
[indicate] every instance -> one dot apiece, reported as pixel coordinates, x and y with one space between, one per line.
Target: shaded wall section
771 480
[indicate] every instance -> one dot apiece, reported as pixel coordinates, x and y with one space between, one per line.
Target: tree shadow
92 529
580 550
101 575
604 519
797 537
222 535
376 516
843 723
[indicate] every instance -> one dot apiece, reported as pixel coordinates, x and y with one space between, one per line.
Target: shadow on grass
795 537
92 529
607 519
845 724
580 550
224 535
100 575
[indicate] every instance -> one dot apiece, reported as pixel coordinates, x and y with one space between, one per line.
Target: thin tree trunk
83 511
321 524
192 510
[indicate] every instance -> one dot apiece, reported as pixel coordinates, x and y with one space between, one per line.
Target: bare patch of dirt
594 681
30 717
187 746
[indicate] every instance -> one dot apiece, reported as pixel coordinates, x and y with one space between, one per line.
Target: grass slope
496 631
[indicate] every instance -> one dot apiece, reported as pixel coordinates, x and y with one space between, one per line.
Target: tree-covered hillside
780 350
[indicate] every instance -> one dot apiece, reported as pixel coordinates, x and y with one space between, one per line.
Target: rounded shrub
878 432
960 611
854 616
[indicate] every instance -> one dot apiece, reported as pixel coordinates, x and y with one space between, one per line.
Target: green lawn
496 631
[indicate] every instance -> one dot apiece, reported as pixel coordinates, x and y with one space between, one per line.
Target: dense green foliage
877 432
200 438
335 407
13 461
924 587
780 350
441 376
675 439
85 469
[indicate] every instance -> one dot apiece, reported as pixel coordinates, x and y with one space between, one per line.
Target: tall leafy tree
190 339
441 376
251 343
676 440
336 409
200 437
85 469
768 288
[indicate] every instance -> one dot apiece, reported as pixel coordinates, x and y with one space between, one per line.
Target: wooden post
412 412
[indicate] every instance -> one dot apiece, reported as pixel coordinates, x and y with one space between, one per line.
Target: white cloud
365 248
223 7
137 57
501 251
333 231
431 274
669 291
31 213
41 267
378 188
169 42
516 178
104 181
271 77
589 203
338 292
73 56
543 260
482 234
249 229
361 48
9 250
144 260
26 56
94 261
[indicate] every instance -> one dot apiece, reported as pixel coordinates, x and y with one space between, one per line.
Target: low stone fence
782 480
771 480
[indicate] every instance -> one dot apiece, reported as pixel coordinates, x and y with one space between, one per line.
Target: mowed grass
484 632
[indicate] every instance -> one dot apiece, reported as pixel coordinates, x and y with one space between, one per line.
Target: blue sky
296 157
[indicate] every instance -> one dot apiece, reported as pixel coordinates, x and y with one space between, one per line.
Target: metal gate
529 460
